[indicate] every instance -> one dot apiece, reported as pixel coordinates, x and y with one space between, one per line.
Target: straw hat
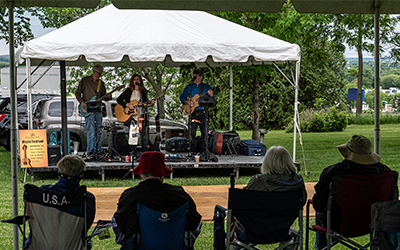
358 150
152 162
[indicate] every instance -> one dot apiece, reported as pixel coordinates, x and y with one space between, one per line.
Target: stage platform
235 162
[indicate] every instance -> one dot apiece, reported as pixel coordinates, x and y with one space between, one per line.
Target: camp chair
265 216
51 226
162 230
351 197
385 225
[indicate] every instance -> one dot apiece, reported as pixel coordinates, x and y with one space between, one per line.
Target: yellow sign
33 148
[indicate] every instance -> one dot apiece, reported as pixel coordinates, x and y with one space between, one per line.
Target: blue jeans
320 239
93 124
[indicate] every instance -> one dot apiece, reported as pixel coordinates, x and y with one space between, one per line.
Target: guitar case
219 143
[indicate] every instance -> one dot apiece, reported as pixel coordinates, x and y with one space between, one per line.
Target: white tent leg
28 101
296 94
230 98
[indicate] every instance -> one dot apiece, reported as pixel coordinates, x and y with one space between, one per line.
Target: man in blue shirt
189 99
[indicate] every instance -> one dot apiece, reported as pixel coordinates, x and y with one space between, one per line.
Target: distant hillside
5 58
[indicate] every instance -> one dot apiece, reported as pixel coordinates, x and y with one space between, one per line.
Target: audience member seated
70 172
358 160
153 193
278 174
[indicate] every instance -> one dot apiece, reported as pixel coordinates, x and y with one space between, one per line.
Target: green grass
319 152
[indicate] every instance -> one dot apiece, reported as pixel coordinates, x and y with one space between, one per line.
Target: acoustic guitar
195 100
83 111
126 114
25 162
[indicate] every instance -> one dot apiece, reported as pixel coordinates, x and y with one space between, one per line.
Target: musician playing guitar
89 87
135 94
197 116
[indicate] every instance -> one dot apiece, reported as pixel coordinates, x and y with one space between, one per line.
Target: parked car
47 115
5 115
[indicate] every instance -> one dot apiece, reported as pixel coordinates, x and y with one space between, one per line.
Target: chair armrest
19 220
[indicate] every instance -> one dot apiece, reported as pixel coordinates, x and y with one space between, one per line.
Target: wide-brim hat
358 150
152 162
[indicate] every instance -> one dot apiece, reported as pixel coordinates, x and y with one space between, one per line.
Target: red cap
152 162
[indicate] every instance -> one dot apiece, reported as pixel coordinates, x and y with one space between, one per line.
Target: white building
48 83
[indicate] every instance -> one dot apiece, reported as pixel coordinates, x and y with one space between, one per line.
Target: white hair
71 165
278 161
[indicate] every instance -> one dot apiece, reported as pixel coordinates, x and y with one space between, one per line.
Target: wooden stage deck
205 197
234 162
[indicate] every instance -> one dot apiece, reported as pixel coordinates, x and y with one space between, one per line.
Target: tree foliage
22 29
357 31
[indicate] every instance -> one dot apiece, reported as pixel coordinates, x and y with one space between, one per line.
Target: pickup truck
47 115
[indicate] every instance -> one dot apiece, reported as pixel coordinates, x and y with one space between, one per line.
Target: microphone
137 83
194 78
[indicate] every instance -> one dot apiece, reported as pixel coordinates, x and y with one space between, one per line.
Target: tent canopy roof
144 37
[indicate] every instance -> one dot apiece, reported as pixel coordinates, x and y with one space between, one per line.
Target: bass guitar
195 100
83 111
126 114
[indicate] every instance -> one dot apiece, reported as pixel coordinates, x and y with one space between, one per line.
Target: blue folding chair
161 230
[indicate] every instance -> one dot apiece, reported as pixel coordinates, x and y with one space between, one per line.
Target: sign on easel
33 148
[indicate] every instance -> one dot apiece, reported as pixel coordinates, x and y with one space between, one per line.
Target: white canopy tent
112 36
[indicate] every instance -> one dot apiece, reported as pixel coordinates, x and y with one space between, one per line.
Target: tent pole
14 121
377 90
296 93
64 125
29 92
230 98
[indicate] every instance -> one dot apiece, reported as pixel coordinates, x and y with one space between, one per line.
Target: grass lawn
318 151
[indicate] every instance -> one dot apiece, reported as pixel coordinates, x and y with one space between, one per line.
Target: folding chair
51 226
385 225
265 216
351 197
161 230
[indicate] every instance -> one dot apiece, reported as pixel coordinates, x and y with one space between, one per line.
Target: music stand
206 102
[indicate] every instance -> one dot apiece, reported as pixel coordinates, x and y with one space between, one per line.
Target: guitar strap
98 88
201 88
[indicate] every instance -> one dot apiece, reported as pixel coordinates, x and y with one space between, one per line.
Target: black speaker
53 153
121 144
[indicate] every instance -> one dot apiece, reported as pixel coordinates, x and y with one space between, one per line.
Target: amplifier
53 153
169 133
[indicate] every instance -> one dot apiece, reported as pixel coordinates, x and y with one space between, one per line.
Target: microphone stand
190 124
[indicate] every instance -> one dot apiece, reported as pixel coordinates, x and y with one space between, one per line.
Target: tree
356 31
322 69
22 29
391 80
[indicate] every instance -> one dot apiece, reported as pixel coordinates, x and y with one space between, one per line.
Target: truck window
55 109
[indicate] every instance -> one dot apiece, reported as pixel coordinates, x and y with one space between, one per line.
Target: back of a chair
385 225
266 216
162 230
52 226
354 195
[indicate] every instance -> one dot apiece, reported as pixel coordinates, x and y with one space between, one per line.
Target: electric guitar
25 162
126 114
83 111
195 100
